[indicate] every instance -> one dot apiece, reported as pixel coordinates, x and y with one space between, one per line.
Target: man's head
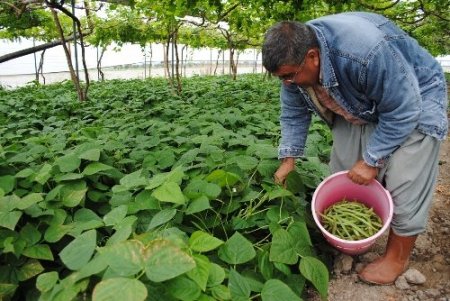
287 47
286 43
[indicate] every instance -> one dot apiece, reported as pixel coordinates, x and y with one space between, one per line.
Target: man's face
305 74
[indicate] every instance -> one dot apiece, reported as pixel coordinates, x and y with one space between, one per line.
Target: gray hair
286 43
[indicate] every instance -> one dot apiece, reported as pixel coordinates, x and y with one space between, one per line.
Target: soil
431 256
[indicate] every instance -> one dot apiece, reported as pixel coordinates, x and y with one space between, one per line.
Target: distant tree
231 25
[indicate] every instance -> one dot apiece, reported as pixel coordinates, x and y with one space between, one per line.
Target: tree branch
23 52
221 17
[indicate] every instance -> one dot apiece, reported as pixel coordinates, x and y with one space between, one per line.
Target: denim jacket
376 72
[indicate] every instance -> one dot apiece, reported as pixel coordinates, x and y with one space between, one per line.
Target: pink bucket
337 187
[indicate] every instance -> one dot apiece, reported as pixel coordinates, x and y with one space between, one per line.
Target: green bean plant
140 194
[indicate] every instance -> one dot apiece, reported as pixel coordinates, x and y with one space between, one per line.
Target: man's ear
314 55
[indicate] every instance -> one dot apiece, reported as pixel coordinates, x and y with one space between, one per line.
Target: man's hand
287 165
361 173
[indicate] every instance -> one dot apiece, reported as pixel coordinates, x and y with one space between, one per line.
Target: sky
55 60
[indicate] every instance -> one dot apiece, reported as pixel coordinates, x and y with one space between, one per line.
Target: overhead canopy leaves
219 24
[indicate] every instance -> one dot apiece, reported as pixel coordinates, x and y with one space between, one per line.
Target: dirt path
431 256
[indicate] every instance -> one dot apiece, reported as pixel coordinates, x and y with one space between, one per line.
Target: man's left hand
361 173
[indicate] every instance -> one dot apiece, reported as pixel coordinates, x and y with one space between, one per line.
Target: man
385 99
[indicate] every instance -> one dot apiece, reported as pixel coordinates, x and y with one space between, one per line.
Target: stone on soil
413 276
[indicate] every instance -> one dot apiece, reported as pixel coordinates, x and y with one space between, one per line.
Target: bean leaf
164 260
236 250
316 272
119 289
276 290
79 251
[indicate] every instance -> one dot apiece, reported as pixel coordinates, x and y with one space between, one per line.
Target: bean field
142 194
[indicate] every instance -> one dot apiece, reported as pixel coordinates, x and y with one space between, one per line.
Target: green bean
351 220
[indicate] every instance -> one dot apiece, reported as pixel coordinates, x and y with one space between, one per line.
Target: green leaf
125 258
30 234
95 167
265 266
55 232
29 270
200 273
216 275
223 178
120 198
83 215
198 205
277 214
116 215
188 157
268 167
283 247
79 251
53 195
300 234
13 245
316 272
9 202
294 182
68 163
254 280
119 289
68 177
161 218
276 290
238 286
183 288
263 151
279 192
236 250
46 281
9 219
164 260
134 179
64 291
123 230
204 297
283 268
39 252
29 200
198 188
144 200
169 192
90 154
73 193
7 183
221 292
24 173
166 158
81 225
245 162
43 174
203 242
296 282
7 289
176 175
95 266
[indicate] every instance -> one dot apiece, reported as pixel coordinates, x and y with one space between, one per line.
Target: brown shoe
393 263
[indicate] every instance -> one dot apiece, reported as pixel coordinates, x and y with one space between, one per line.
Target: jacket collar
328 76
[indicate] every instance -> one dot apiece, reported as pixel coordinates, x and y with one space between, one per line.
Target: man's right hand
287 165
